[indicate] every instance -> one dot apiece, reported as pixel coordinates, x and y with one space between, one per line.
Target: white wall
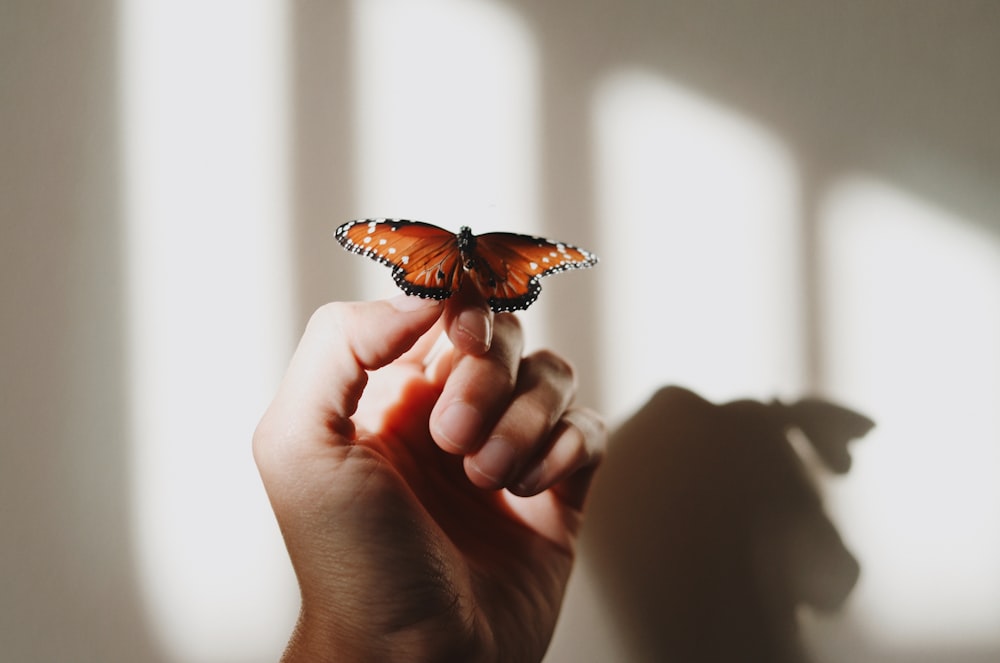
786 199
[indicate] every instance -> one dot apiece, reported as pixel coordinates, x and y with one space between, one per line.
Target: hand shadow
705 532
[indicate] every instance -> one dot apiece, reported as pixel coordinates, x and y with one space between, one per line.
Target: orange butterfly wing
424 258
508 267
427 261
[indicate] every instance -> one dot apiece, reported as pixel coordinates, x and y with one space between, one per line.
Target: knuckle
508 338
538 413
507 321
501 380
591 428
341 321
550 363
329 316
258 442
263 443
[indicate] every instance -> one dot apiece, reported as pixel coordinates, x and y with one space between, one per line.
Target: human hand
404 552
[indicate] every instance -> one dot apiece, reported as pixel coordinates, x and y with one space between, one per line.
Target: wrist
322 641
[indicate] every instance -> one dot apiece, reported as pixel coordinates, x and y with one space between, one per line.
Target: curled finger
577 446
545 388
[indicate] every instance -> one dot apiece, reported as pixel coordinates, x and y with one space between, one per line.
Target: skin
430 500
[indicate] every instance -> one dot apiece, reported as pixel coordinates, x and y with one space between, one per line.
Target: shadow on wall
706 532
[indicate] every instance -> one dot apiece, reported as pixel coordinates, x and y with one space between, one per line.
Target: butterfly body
431 262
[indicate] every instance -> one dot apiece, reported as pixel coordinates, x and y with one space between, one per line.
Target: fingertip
410 303
476 326
493 464
471 330
457 428
469 320
577 449
398 321
342 341
531 483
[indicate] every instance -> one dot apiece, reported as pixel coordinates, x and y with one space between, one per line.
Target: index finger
328 372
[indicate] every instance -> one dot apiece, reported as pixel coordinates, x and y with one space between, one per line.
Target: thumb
328 373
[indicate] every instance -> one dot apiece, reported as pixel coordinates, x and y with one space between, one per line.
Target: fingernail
476 324
495 460
529 484
407 303
458 426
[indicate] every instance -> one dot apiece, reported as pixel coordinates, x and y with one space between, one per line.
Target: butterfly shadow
706 532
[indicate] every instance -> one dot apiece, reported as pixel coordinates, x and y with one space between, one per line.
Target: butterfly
431 262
